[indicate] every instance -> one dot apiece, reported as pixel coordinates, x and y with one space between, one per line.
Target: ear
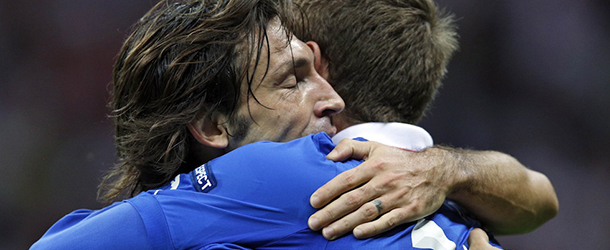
320 63
210 132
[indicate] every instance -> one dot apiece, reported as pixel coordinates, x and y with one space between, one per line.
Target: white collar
394 134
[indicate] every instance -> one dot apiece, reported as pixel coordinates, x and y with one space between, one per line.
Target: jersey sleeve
116 227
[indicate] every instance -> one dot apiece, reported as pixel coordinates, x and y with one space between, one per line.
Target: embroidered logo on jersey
175 183
429 235
203 179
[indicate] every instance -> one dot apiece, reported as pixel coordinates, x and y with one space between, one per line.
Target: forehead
277 50
278 37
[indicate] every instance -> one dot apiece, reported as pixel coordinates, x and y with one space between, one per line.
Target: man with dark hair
194 81
195 65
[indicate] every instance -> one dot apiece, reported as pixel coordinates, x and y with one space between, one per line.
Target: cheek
278 119
289 112
298 117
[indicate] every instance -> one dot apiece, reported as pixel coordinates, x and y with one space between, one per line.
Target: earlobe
209 132
320 63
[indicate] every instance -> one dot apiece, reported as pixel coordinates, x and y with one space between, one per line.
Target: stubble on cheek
237 128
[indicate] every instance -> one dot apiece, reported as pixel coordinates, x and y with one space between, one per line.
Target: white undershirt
394 134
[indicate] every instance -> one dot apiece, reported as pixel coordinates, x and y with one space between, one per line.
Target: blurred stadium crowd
532 79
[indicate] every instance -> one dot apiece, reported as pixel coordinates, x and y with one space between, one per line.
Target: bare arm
507 197
502 193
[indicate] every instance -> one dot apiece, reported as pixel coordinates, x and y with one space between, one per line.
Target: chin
322 127
331 131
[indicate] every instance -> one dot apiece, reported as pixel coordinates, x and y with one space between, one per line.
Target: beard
237 128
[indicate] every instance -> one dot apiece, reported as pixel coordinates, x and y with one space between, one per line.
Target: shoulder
118 226
267 161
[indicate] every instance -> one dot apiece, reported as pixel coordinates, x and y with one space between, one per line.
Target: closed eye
290 82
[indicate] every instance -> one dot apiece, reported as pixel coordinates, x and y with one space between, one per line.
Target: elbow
548 206
551 208
551 204
533 220
554 207
544 207
546 213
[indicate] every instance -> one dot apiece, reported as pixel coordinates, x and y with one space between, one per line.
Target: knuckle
392 222
402 216
369 212
344 141
383 164
363 189
328 213
349 178
417 211
378 187
345 225
376 164
369 190
353 199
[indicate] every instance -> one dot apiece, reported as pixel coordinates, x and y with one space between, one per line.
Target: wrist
454 176
460 175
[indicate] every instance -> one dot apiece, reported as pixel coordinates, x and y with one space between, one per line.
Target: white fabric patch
175 182
428 235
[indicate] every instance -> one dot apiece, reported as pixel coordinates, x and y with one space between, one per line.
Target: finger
369 211
346 203
384 223
342 183
351 149
478 240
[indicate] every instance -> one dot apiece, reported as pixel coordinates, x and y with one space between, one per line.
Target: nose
329 103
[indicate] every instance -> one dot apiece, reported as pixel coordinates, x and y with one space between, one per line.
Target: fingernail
314 201
314 223
331 155
358 233
328 233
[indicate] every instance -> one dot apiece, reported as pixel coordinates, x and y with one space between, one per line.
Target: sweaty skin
412 185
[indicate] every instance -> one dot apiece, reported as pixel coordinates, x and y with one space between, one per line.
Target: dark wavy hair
180 63
387 57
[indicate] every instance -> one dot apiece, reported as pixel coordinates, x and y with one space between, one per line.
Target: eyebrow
293 64
300 62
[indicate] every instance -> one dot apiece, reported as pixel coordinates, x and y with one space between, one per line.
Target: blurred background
531 79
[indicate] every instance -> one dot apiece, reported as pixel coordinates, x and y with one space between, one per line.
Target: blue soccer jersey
256 196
